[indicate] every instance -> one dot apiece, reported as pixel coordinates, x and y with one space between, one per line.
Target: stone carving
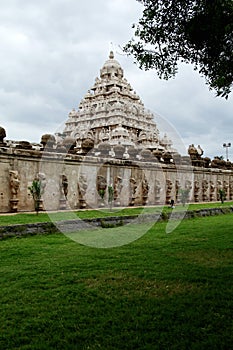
87 145
64 185
14 182
14 187
196 155
145 191
196 190
132 152
113 113
207 162
63 191
167 157
157 191
231 190
117 190
133 188
212 190
188 185
82 188
168 191
2 136
192 151
101 188
24 145
178 187
48 141
119 151
200 151
219 187
225 188
205 186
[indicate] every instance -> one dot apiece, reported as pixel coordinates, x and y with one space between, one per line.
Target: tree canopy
198 32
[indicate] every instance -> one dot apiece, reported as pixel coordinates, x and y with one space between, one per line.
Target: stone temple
110 142
111 113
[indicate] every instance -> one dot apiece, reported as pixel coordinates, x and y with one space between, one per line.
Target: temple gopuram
109 144
111 113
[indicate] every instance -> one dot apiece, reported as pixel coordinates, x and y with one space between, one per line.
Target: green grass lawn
23 218
163 291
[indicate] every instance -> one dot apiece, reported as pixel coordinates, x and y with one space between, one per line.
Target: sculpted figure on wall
14 187
63 191
178 187
101 183
48 141
196 155
212 190
157 191
188 185
2 135
133 188
219 187
196 190
225 188
14 182
82 188
117 189
192 151
168 191
64 185
145 191
200 151
205 186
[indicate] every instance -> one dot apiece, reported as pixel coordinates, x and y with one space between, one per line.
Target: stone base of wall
107 222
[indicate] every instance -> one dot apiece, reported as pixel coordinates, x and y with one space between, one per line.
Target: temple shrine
110 142
111 113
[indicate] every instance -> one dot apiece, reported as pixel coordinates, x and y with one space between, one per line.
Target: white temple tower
111 112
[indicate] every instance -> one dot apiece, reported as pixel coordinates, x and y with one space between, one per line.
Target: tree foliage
198 32
36 192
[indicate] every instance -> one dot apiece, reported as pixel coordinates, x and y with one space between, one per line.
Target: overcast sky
52 51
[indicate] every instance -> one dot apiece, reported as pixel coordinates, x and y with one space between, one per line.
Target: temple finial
111 55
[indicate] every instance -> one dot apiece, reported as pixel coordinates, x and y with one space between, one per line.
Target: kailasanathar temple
110 142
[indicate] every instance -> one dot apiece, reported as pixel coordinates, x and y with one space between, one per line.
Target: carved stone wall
154 183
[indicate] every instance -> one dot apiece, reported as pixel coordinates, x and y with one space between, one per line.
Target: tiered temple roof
111 112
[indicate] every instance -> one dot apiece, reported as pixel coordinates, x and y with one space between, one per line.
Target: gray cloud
52 50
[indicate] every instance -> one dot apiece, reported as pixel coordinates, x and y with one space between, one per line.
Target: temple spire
111 55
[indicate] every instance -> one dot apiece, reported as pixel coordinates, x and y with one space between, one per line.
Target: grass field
163 291
23 218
